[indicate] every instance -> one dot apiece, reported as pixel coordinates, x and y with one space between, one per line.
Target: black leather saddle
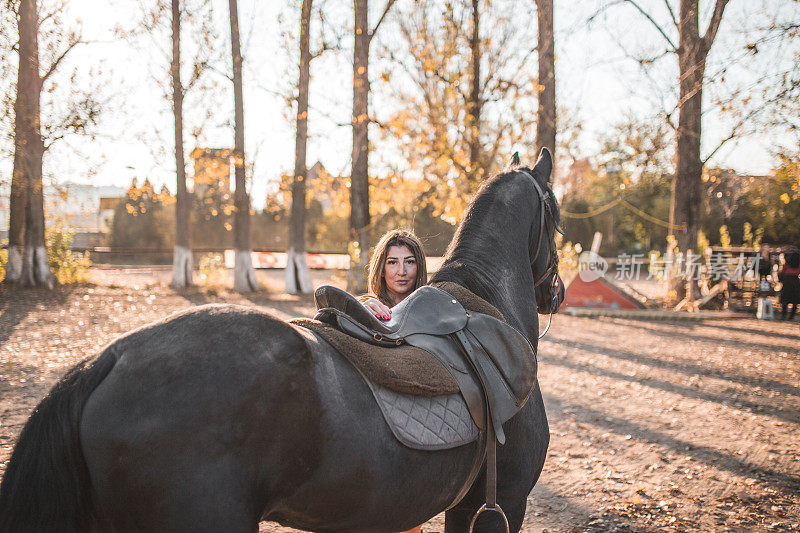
493 364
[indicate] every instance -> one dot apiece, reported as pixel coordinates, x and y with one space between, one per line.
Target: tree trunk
35 265
546 117
359 175
298 278
29 151
687 187
244 277
475 103
18 204
182 255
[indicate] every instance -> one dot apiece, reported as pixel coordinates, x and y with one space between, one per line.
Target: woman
397 269
788 276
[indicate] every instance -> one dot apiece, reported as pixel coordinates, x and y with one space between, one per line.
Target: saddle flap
509 350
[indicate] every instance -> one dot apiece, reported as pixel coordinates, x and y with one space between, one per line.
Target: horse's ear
513 164
544 165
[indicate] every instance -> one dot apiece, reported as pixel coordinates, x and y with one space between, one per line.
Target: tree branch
671 13
734 131
389 5
58 60
656 25
713 25
603 8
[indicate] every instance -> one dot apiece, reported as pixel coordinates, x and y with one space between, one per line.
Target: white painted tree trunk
36 268
181 268
298 277
14 265
244 276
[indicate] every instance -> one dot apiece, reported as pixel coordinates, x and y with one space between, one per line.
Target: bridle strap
543 207
552 267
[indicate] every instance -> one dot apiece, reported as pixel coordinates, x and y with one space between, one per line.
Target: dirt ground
655 426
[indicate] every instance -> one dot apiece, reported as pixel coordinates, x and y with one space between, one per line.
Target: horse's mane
468 257
462 263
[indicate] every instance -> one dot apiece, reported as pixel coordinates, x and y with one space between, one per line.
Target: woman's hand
377 308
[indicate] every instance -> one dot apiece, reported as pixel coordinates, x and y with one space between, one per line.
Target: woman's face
400 272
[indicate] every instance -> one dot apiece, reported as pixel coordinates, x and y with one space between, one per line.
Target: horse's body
223 416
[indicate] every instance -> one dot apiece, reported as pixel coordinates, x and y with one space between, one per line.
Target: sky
597 82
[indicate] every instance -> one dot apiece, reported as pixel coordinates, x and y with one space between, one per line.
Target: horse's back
188 414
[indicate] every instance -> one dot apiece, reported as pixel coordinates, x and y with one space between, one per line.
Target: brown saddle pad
404 368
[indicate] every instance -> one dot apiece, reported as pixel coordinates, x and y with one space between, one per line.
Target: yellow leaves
785 198
228 226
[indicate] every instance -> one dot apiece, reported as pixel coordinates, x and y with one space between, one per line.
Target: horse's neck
498 271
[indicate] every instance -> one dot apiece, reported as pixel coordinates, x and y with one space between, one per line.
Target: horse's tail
46 486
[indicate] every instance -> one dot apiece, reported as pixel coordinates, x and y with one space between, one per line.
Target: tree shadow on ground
16 304
679 366
717 340
197 296
553 504
684 325
728 401
712 457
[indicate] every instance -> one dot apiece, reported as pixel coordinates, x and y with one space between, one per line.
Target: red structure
598 293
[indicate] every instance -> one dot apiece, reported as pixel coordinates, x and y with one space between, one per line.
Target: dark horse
223 416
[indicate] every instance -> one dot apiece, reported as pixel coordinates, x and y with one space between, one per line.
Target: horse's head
543 253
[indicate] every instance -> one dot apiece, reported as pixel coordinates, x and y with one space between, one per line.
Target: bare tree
35 133
244 277
167 17
359 175
687 188
692 52
463 90
546 117
182 255
298 278
475 102
27 254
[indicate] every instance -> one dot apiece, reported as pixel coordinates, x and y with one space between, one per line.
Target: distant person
789 276
764 263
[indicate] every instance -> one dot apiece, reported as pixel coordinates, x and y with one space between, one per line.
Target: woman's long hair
397 237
